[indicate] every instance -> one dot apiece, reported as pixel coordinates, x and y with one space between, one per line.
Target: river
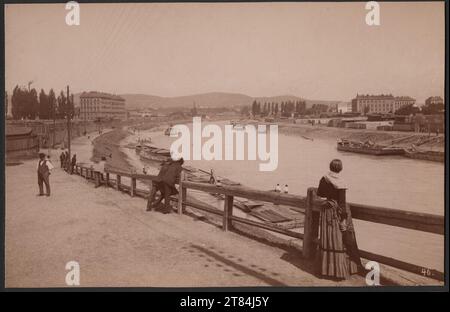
391 181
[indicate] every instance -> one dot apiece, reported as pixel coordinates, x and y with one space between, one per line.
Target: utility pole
68 113
85 116
54 121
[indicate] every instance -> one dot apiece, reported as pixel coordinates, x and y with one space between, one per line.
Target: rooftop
17 130
375 97
103 95
404 98
383 97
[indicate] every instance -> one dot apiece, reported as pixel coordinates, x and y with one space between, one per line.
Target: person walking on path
43 171
338 254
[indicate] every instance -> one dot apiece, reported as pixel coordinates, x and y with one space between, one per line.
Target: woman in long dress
338 255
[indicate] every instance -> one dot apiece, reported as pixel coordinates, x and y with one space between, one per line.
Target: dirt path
117 243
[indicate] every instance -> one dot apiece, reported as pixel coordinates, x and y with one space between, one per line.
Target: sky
321 51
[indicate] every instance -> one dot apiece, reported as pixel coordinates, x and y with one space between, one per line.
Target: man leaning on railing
168 176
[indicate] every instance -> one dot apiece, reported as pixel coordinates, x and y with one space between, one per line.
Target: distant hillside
213 99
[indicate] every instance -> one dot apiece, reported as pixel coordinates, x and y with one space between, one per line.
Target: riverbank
405 139
108 145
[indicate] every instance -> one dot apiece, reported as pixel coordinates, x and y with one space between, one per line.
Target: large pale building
382 104
100 106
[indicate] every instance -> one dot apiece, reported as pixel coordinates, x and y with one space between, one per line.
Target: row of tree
273 108
26 104
427 109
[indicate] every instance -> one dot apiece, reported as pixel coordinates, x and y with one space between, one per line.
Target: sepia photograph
253 145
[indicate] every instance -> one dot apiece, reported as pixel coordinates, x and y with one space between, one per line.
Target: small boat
140 147
154 154
307 138
237 125
369 149
246 205
425 155
170 131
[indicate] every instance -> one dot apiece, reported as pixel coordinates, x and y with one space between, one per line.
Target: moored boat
170 131
369 149
425 155
154 153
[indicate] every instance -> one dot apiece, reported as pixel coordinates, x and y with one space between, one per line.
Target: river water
390 181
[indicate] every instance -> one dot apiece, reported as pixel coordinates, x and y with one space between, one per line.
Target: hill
212 99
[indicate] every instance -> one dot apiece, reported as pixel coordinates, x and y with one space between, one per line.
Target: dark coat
170 172
327 190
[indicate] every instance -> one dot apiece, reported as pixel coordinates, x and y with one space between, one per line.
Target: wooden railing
311 204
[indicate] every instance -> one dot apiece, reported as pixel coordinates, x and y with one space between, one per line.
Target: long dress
337 255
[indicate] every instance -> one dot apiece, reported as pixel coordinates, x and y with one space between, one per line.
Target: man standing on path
43 171
62 158
73 163
66 161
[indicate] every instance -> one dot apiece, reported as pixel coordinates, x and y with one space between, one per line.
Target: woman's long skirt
335 259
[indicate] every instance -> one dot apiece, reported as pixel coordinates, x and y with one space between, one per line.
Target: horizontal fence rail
311 204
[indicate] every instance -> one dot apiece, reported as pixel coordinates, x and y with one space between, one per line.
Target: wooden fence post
227 212
97 178
118 182
133 187
310 233
181 194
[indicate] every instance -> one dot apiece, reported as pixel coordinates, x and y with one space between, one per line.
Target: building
401 101
101 106
381 104
343 107
21 142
